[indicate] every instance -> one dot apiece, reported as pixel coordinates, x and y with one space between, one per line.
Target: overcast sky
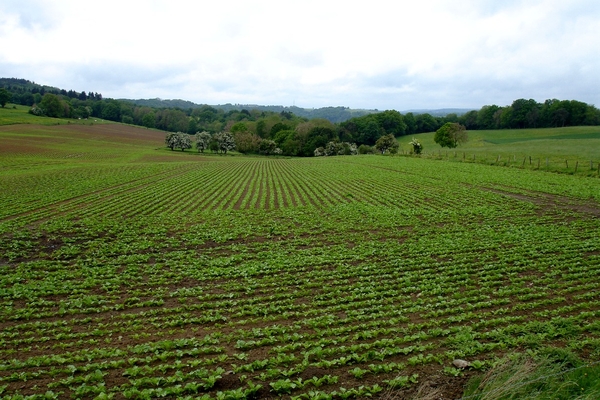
369 54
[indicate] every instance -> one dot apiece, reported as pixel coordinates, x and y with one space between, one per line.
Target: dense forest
293 133
333 114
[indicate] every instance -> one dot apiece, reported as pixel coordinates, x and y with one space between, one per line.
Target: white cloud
431 53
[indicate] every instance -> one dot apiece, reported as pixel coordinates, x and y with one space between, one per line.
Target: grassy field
556 149
130 271
17 114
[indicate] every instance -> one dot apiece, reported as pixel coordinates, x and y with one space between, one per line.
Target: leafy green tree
281 136
192 126
523 114
280 126
318 136
392 122
5 97
485 117
239 127
371 132
560 117
261 128
469 120
291 146
202 141
246 142
450 135
172 120
411 123
387 143
111 111
452 117
365 149
426 123
52 106
149 120
213 145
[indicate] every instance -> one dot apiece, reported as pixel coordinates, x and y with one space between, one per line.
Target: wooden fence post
524 158
567 163
576 165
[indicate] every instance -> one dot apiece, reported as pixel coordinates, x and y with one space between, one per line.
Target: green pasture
552 149
18 114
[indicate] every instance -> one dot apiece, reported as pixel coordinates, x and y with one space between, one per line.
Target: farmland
564 150
131 271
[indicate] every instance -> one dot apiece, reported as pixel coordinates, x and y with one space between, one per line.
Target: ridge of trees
333 114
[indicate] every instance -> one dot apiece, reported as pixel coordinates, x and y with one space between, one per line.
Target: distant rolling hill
333 114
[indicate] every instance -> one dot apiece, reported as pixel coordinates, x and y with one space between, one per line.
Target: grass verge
554 374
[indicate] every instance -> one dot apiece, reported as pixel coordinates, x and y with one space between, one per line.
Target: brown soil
549 202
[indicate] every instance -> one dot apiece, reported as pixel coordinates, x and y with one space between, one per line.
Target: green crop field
131 271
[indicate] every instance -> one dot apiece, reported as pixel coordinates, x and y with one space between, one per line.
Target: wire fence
553 164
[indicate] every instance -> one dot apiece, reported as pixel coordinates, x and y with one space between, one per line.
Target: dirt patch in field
548 202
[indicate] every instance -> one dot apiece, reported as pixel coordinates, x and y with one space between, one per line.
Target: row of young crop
64 191
543 245
252 184
491 283
356 288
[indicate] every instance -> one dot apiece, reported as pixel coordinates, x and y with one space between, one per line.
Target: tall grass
556 375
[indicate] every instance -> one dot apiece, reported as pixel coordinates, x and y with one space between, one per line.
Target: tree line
524 113
292 134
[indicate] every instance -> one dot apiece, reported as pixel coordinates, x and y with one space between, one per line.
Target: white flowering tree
334 149
178 140
225 141
202 141
172 140
337 149
349 149
184 141
416 145
267 147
